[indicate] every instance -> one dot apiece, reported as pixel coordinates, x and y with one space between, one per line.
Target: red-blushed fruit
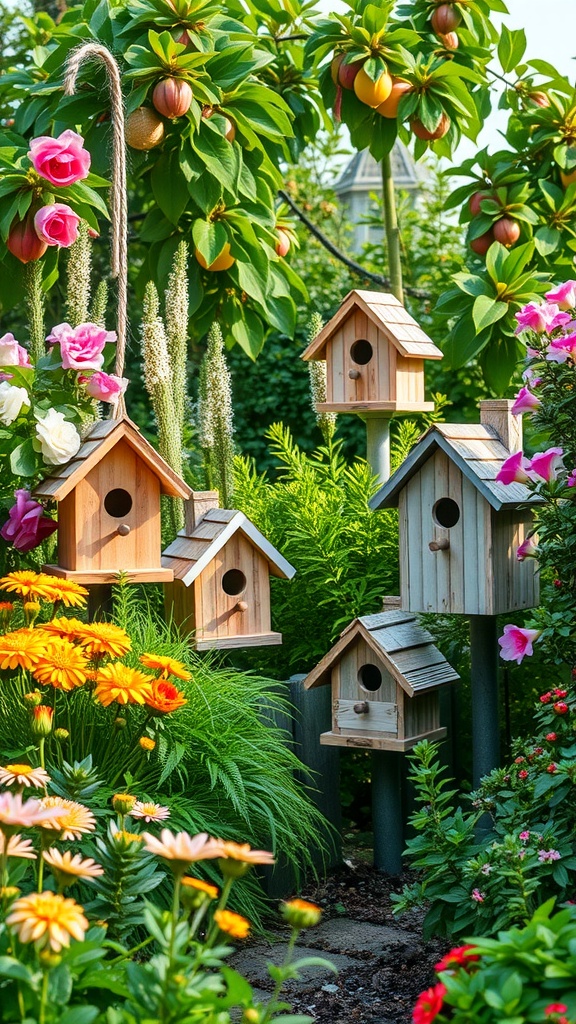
172 97
230 130
450 41
540 99
283 243
347 73
372 93
445 19
439 132
389 108
475 200
222 262
335 67
144 129
506 231
568 178
23 242
481 245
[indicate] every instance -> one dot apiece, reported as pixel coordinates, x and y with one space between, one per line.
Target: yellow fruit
390 106
222 262
372 93
144 129
568 179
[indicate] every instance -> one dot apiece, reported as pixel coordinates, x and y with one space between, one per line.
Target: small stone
329 988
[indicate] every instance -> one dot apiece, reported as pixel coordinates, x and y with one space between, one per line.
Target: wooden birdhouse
222 566
459 527
108 499
385 674
374 352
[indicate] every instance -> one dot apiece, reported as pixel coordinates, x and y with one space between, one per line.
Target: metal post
99 600
387 816
485 718
378 446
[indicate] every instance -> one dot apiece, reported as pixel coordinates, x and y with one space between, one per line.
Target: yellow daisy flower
233 924
21 649
167 666
73 821
17 847
71 594
104 638
26 584
23 775
48 920
67 867
118 682
63 665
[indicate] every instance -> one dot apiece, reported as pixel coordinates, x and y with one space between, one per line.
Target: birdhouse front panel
232 595
364 693
360 364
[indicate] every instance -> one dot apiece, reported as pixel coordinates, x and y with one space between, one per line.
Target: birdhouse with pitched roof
460 528
385 674
108 499
374 352
222 566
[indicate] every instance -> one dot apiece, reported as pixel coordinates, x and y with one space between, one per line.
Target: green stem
130 952
213 930
35 303
278 986
164 1012
43 999
391 229
41 746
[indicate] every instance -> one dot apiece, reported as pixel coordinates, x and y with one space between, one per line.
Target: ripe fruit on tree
283 243
506 231
347 73
439 132
23 242
568 177
389 108
372 93
335 67
445 19
475 200
222 262
172 97
144 129
450 40
481 245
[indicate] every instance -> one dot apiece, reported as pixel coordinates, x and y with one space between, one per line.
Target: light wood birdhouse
385 674
459 527
222 566
374 352
108 499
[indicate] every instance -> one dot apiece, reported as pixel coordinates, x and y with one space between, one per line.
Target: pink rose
57 224
81 347
547 464
61 161
27 526
561 349
525 402
541 317
516 643
564 295
528 549
513 470
105 387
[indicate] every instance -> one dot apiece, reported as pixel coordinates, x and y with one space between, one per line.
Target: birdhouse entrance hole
361 352
118 503
233 582
446 513
370 677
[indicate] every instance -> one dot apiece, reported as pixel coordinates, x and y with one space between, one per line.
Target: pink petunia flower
528 549
477 896
541 317
516 642
571 481
525 402
525 835
547 465
562 349
513 470
564 295
548 855
27 526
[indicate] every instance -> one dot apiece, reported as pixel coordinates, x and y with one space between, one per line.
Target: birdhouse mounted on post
108 499
374 352
221 566
385 674
459 527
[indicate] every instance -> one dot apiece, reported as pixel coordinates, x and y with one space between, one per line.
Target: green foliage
129 873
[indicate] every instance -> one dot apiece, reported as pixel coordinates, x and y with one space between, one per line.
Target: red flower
551 736
551 768
555 1008
523 774
457 957
538 750
546 698
561 693
519 760
561 708
429 1004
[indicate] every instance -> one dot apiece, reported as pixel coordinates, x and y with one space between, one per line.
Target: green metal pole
485 717
387 819
391 229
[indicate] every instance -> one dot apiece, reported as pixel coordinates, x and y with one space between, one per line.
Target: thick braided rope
118 195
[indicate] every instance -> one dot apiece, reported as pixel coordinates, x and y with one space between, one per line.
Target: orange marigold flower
63 627
212 891
165 697
235 858
71 594
104 638
63 666
300 913
167 666
118 682
23 775
48 920
42 716
26 584
233 924
73 819
147 743
21 649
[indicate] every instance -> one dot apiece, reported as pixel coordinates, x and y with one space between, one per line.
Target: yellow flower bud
300 913
123 803
146 743
42 720
33 698
61 735
31 612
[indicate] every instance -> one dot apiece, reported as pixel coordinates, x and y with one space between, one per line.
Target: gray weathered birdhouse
460 528
374 352
385 674
222 566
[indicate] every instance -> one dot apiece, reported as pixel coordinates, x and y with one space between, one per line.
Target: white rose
11 401
59 439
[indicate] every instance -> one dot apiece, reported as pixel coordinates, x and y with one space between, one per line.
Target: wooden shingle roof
101 439
389 315
405 648
192 550
478 452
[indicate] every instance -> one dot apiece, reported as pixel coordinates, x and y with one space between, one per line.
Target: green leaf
11 968
60 985
547 240
463 343
23 459
80 1015
487 311
248 332
511 47
169 186
210 237
499 361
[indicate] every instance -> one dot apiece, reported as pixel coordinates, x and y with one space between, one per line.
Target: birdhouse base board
87 576
375 408
334 739
234 642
